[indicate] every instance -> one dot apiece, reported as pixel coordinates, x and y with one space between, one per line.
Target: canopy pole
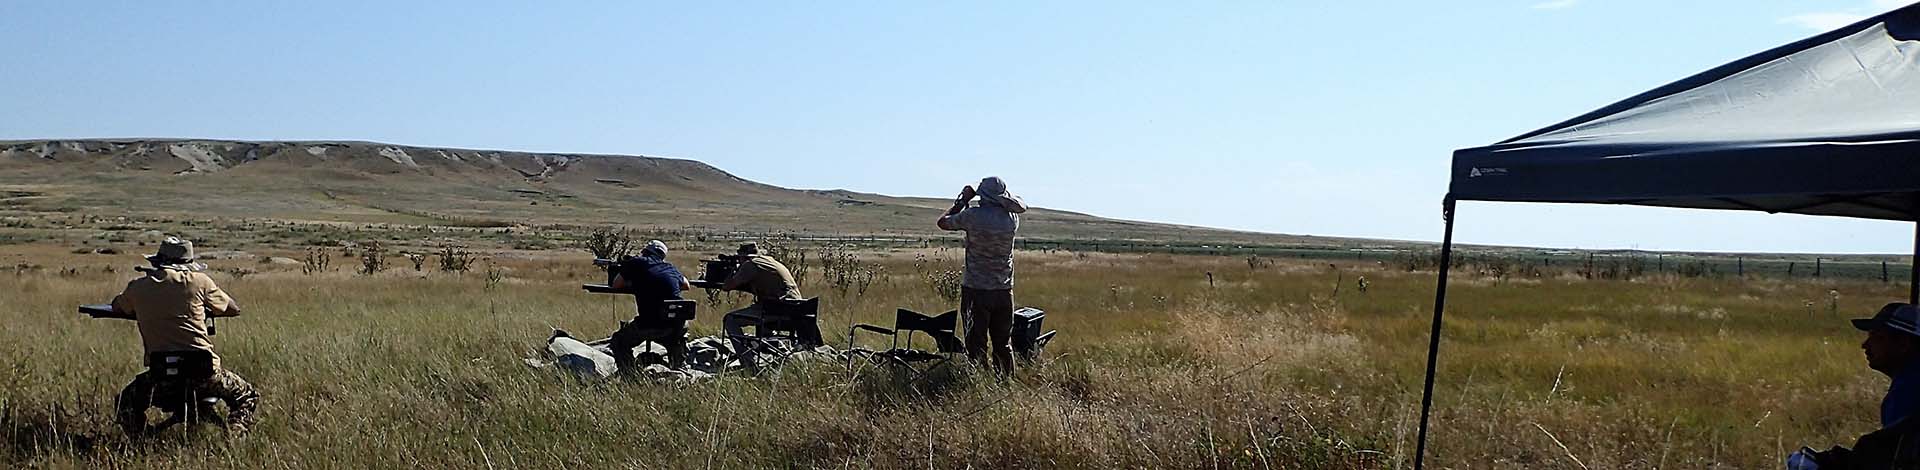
1433 339
1913 278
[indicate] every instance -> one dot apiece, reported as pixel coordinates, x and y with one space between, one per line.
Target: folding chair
905 322
674 340
1027 338
796 320
172 384
786 327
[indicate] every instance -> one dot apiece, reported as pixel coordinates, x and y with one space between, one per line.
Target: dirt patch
398 156
203 160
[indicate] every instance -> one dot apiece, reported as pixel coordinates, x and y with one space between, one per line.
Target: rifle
716 271
99 311
714 275
613 269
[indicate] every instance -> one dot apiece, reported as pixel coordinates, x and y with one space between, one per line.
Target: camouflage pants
184 401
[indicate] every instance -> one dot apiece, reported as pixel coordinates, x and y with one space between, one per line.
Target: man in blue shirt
1892 345
652 281
1892 348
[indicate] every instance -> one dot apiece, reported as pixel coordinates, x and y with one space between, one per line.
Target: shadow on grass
38 432
886 385
76 430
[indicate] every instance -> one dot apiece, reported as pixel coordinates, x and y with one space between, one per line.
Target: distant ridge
378 182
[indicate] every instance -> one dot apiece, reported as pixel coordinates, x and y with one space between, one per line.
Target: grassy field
1278 364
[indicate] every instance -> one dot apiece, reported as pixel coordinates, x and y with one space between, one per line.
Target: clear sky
1305 117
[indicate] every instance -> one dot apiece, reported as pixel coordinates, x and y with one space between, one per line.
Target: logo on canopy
1478 172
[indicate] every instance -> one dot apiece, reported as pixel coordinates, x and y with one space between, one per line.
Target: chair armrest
862 326
1041 341
872 328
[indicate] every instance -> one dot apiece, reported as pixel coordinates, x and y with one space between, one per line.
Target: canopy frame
1726 139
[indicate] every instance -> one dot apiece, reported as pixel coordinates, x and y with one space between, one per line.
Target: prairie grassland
1156 367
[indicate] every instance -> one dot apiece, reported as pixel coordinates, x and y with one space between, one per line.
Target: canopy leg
1913 278
1433 341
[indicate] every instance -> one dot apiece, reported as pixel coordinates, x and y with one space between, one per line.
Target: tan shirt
766 279
171 307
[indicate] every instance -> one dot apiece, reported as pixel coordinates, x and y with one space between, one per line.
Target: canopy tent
1829 125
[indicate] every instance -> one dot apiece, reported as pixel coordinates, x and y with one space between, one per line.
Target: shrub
373 258
609 243
455 259
316 261
495 275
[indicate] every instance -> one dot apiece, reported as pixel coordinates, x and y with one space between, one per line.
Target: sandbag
577 357
707 357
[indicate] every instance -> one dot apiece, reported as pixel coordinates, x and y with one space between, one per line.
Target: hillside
374 182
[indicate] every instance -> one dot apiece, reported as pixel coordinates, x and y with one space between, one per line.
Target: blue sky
1324 118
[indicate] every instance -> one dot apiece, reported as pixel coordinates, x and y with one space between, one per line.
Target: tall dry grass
1155 367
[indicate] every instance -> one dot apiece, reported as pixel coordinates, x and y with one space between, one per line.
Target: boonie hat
173 250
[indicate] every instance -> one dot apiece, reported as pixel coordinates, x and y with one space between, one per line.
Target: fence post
1742 265
1790 269
1589 265
1816 267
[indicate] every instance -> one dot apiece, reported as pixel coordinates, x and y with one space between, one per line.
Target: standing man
172 303
768 281
986 291
652 281
1892 347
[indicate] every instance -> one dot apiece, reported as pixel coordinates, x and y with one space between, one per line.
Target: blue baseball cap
1904 318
